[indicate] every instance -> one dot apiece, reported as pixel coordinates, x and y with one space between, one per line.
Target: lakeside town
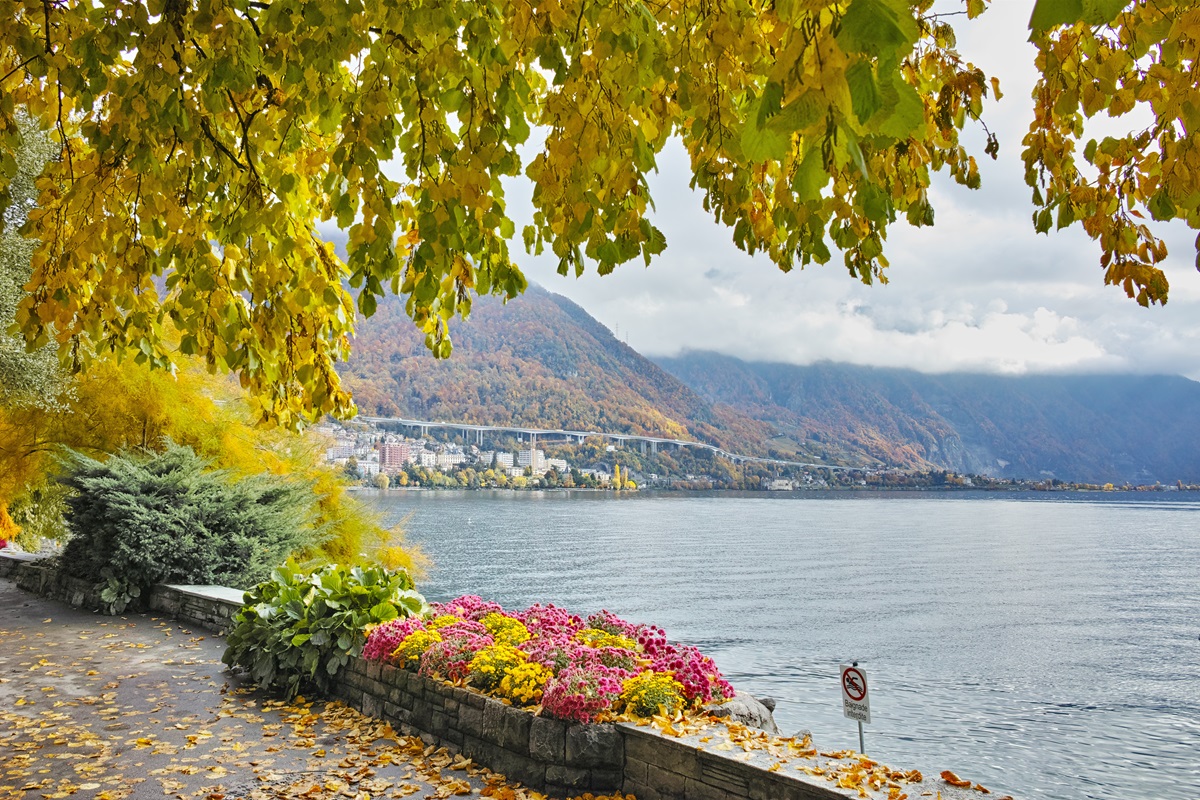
381 455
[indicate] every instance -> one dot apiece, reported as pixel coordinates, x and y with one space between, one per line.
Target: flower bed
551 661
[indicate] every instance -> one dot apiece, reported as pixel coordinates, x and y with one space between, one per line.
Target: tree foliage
26 378
1119 59
202 140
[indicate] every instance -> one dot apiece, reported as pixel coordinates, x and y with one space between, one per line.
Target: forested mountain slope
541 361
1095 428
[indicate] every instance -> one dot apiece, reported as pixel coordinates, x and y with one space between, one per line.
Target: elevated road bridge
644 443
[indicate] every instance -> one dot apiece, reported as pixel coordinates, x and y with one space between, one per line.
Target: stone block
475 748
519 768
453 736
595 746
372 668
641 791
635 769
372 706
437 722
667 754
665 780
548 740
572 778
606 781
475 700
514 730
697 790
470 721
493 720
725 773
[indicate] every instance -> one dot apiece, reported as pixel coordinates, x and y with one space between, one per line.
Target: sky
978 292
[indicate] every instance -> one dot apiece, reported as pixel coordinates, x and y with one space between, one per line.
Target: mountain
539 360
1093 428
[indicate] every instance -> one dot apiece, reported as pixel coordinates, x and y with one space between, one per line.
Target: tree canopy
200 142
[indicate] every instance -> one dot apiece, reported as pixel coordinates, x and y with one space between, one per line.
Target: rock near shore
747 710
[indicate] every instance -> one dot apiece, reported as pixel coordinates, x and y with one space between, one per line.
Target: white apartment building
343 448
427 459
503 460
447 460
559 464
532 458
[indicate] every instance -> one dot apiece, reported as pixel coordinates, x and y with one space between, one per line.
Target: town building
394 456
535 459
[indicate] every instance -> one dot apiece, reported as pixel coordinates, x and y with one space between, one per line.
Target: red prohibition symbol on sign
854 684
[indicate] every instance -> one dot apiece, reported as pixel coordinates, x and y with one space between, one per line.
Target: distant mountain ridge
1093 428
539 360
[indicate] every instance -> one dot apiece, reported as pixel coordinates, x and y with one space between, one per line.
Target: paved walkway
139 707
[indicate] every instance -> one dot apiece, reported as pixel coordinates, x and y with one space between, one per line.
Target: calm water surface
1046 646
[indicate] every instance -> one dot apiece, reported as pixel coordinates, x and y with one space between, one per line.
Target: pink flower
385 638
469 606
451 657
580 692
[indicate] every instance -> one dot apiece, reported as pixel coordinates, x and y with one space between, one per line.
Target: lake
1045 645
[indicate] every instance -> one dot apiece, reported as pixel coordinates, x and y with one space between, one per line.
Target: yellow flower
594 637
492 663
524 683
413 646
652 693
505 629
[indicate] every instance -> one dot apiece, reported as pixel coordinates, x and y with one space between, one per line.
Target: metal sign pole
856 704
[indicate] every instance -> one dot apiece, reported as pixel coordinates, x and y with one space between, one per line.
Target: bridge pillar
654 448
643 444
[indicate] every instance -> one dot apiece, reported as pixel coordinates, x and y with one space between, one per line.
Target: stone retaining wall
30 574
559 758
208 607
556 757
659 767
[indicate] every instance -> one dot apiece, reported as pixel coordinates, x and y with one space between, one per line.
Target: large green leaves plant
298 629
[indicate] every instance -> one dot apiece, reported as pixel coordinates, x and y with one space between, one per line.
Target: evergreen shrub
140 519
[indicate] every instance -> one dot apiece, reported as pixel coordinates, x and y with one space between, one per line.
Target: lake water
1047 646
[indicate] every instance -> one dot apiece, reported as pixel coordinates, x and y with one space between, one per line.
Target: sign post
856 705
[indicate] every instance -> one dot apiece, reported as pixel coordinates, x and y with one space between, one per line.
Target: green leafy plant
117 594
298 629
141 519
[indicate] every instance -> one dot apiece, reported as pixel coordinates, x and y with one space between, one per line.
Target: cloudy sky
978 292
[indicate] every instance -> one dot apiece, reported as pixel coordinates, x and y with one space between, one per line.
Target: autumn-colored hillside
541 361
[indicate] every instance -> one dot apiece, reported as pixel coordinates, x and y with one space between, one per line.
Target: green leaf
905 112
1102 12
1160 206
877 26
799 114
1049 14
864 91
811 176
761 141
